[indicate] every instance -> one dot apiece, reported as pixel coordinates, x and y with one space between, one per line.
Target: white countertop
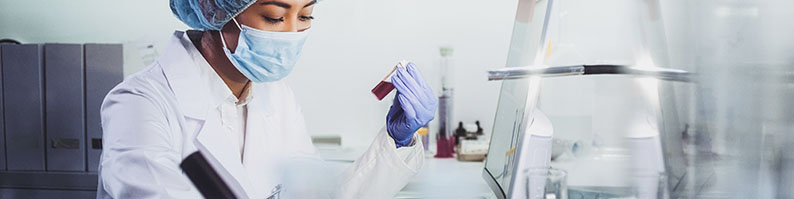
448 178
439 178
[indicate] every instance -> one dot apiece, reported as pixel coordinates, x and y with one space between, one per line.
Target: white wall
353 44
136 24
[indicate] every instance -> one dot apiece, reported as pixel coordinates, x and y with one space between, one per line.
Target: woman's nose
291 26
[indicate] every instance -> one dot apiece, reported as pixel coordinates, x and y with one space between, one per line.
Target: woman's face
278 15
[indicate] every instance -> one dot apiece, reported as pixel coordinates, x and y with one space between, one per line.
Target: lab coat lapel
195 102
184 77
213 138
258 160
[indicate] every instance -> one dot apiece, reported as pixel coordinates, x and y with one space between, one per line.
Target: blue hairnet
208 14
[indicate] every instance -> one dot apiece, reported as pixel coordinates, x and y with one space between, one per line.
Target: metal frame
595 69
492 184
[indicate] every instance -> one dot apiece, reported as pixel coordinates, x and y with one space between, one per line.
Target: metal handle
605 69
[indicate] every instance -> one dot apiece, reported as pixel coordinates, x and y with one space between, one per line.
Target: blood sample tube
384 87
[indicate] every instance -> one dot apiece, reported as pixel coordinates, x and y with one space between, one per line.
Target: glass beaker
650 185
545 183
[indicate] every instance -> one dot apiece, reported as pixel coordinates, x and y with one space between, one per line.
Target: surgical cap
208 14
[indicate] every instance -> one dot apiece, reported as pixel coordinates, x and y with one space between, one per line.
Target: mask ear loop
238 24
220 32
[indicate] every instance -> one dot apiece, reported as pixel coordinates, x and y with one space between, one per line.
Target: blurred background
352 45
730 129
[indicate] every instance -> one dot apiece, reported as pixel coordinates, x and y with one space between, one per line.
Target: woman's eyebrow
276 3
285 5
310 3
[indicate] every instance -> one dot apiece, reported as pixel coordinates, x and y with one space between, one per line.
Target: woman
220 89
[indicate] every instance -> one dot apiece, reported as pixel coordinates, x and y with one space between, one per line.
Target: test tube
385 87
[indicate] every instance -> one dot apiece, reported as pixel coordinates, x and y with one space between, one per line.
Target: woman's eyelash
281 19
274 20
307 18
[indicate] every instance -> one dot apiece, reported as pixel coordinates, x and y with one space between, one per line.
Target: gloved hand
413 107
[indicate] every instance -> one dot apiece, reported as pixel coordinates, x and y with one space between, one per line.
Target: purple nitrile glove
414 105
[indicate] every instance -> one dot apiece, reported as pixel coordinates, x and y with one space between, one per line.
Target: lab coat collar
184 77
218 90
196 85
264 101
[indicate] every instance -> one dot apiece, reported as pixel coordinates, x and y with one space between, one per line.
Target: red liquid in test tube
384 88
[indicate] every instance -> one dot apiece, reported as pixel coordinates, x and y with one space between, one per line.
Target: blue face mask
265 56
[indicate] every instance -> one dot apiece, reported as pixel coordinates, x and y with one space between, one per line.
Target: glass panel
728 134
616 116
510 112
738 139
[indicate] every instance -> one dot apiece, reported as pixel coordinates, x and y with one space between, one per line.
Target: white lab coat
154 119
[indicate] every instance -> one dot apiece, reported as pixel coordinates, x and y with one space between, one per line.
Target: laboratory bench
447 178
438 178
